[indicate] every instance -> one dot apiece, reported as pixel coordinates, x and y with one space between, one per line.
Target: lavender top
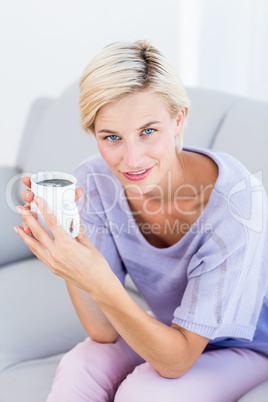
214 280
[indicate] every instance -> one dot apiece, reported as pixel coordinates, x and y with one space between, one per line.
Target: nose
133 155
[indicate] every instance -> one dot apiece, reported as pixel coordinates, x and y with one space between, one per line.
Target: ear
179 120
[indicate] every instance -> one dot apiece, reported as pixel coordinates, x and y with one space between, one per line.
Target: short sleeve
92 217
225 290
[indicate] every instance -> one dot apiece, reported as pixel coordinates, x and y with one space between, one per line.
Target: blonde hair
122 68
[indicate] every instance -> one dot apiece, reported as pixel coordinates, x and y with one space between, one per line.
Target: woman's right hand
27 196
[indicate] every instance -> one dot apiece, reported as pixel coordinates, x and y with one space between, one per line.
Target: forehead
138 106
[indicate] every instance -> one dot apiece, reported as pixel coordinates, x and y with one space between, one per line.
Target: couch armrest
37 317
12 248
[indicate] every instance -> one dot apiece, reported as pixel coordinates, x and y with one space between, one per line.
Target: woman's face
136 138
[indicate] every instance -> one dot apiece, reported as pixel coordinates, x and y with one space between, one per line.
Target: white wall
45 46
223 45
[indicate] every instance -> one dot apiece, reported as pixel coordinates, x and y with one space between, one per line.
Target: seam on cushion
222 120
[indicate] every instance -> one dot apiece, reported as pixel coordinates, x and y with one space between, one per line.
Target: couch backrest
53 139
244 134
232 124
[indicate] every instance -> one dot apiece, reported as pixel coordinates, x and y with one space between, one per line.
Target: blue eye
112 137
148 131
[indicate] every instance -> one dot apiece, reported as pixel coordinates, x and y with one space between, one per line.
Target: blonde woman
160 212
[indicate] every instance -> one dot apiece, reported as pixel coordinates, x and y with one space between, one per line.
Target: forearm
96 324
167 349
164 347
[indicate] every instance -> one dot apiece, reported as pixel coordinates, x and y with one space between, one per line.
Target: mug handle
75 219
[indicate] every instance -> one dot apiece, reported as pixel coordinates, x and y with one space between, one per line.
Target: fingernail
16 229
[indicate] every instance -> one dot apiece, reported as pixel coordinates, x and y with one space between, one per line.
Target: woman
165 215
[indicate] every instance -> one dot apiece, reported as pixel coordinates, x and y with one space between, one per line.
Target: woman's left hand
75 260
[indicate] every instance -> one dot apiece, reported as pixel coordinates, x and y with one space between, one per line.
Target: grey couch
38 321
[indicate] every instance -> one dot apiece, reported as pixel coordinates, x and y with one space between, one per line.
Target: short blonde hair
123 68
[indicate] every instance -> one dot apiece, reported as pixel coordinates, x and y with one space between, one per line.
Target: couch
38 321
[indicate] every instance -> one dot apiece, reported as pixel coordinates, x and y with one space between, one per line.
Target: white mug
60 197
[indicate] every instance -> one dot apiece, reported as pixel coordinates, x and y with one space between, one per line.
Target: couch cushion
57 142
244 134
29 381
37 317
207 111
258 394
37 111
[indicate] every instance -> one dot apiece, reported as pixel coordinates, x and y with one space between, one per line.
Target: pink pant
114 372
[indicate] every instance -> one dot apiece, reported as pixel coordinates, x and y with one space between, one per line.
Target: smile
140 172
139 175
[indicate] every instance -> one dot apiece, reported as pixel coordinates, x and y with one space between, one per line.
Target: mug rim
52 175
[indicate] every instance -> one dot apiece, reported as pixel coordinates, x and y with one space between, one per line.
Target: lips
137 175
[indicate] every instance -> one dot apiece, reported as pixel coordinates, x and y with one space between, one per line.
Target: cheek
162 149
108 155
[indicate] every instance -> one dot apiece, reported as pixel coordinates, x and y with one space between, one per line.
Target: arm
96 324
170 350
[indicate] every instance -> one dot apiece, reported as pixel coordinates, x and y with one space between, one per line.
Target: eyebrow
104 130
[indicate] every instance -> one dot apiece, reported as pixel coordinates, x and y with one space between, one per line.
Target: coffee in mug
55 183
58 191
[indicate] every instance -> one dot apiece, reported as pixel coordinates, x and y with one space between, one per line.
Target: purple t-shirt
214 281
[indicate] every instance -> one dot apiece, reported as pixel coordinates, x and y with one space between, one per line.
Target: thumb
78 193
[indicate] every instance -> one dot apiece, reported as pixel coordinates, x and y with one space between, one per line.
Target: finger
26 207
78 193
27 196
26 180
50 218
37 230
26 229
35 246
82 237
